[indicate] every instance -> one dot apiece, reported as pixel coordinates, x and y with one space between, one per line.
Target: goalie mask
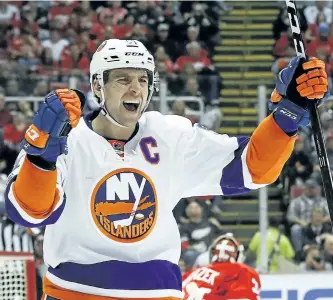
226 249
118 54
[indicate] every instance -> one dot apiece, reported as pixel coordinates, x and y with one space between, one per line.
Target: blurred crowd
45 44
307 216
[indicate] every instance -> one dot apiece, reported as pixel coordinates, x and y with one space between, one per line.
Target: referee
13 237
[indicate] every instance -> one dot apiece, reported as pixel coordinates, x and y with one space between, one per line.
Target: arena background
217 62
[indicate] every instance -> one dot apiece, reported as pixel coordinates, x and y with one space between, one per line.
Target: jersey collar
89 117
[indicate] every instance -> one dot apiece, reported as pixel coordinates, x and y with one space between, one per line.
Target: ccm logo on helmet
134 54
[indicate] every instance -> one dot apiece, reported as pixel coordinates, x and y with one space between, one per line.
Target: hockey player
105 184
226 277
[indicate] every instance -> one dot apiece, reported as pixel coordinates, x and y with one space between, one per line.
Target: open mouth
131 105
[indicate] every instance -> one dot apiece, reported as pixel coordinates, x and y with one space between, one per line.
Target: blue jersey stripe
150 275
232 180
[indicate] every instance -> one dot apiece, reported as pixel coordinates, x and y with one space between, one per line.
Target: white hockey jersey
113 233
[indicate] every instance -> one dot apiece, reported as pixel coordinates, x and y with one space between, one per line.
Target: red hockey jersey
222 281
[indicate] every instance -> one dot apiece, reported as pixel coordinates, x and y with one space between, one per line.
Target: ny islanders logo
124 205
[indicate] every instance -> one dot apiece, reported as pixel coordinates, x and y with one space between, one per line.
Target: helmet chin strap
107 114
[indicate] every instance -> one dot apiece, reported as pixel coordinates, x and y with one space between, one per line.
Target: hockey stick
315 121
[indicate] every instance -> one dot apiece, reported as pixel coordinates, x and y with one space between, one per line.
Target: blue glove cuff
289 116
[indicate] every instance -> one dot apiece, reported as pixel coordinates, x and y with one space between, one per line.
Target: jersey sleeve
216 164
35 197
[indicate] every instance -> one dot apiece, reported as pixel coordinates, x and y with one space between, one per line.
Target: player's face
126 94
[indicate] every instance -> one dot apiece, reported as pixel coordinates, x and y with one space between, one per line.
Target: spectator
315 232
178 108
192 35
114 11
73 25
138 33
13 134
321 45
26 108
8 12
282 23
162 60
84 7
195 56
311 12
13 88
28 60
208 26
108 33
60 10
48 68
162 39
177 86
97 30
85 43
143 11
56 43
299 166
74 62
300 209
284 47
314 261
41 89
192 87
124 30
278 245
26 38
312 31
198 233
5 116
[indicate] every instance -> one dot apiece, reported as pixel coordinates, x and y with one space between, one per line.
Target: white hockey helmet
226 249
116 54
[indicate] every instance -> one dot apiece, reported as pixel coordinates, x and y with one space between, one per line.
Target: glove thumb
286 75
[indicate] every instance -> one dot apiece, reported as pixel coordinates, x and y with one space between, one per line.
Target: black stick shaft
314 116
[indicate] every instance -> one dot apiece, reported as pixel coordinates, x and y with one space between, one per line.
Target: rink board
305 286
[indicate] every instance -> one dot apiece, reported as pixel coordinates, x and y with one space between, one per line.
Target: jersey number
255 287
196 293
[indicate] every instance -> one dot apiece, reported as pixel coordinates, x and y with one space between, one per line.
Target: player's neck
106 128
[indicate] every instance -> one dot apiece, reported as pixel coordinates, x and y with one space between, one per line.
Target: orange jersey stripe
35 190
269 149
60 293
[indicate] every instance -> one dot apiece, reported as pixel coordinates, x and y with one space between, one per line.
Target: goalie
105 185
226 277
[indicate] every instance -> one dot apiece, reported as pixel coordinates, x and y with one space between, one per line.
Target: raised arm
34 193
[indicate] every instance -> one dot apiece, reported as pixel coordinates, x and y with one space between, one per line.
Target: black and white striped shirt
13 237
